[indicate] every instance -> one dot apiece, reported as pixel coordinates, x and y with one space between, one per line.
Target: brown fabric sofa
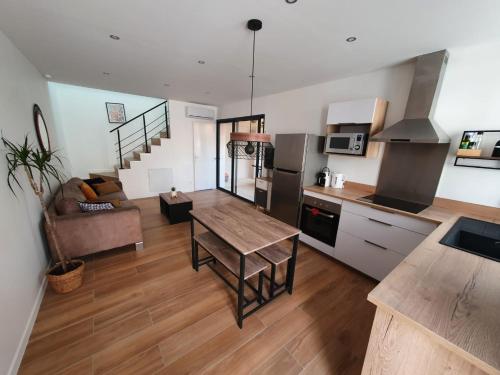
86 233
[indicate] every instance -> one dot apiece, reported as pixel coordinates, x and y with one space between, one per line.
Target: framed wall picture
116 113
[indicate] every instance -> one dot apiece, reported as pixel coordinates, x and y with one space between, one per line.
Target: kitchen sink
475 236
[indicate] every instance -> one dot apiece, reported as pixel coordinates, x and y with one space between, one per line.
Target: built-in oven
346 143
320 219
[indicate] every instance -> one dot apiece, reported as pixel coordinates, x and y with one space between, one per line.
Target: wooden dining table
241 234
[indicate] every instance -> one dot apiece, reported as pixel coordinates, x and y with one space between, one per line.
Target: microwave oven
346 143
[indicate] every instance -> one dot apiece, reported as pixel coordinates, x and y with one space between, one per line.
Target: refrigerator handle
286 171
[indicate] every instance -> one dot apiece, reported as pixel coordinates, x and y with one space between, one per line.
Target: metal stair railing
148 131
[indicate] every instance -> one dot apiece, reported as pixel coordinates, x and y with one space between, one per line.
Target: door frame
233 120
202 121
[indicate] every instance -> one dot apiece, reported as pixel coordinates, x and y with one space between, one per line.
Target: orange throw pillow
88 192
107 187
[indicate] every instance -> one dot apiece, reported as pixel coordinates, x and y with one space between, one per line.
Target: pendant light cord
252 76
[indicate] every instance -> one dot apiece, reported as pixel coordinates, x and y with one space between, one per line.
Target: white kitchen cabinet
387 235
365 256
424 227
352 112
375 241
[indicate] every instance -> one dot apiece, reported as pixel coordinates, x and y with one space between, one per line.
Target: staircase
136 154
137 136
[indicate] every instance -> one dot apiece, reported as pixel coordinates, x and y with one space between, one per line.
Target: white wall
305 110
80 114
469 100
23 250
175 153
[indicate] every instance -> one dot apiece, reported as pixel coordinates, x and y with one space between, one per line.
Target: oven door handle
320 213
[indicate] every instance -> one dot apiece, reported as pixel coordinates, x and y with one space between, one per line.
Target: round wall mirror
42 133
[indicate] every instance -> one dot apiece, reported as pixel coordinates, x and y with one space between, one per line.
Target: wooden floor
149 312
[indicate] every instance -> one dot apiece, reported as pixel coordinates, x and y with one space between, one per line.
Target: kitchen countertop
451 295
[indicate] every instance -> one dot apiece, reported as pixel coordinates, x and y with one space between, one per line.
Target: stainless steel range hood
418 125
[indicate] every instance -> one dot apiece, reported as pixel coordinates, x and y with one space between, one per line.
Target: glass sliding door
237 175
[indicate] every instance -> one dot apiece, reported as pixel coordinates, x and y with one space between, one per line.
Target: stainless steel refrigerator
297 160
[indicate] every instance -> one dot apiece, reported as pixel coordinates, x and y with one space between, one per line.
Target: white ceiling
300 44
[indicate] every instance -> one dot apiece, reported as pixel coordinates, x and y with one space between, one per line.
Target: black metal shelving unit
483 158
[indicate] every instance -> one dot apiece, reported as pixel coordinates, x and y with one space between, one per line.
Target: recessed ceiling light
106 73
166 84
48 76
114 37
291 1
207 92
201 62
351 39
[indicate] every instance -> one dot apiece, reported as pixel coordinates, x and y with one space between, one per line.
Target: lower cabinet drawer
398 239
365 257
416 225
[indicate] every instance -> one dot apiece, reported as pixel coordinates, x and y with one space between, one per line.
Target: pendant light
245 145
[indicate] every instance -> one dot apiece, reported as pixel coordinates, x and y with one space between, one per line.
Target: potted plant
173 192
39 166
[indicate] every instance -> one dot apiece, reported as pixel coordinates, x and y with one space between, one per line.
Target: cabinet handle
374 244
380 222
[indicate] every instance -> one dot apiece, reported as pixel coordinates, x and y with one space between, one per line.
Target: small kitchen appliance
346 143
324 177
338 180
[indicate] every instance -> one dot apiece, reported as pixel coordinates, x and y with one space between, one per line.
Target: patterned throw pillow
91 207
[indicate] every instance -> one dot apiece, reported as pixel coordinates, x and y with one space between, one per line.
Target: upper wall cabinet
366 116
355 111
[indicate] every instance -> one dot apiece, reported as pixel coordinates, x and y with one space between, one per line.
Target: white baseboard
18 357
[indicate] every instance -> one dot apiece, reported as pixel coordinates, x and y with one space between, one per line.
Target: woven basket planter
63 283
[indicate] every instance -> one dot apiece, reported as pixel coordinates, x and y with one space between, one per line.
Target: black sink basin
475 236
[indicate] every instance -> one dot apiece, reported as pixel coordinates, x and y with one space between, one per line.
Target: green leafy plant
39 167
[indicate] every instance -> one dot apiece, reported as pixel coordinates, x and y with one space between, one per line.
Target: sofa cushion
107 187
88 192
66 206
120 195
93 181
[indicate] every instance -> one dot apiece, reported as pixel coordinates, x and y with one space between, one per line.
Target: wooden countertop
244 228
451 295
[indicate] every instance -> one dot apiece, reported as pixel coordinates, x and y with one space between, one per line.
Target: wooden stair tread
275 254
229 257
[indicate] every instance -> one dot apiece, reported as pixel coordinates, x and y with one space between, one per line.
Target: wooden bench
275 255
228 257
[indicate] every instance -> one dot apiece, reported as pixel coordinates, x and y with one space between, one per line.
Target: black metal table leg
192 244
259 290
272 282
291 265
196 260
241 290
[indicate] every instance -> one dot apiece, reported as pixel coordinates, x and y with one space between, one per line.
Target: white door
205 166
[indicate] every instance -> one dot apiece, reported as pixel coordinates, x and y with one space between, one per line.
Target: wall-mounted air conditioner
200 113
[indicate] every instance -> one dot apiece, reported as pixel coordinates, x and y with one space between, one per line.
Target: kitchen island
438 311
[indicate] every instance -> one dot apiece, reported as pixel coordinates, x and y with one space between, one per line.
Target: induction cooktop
397 204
